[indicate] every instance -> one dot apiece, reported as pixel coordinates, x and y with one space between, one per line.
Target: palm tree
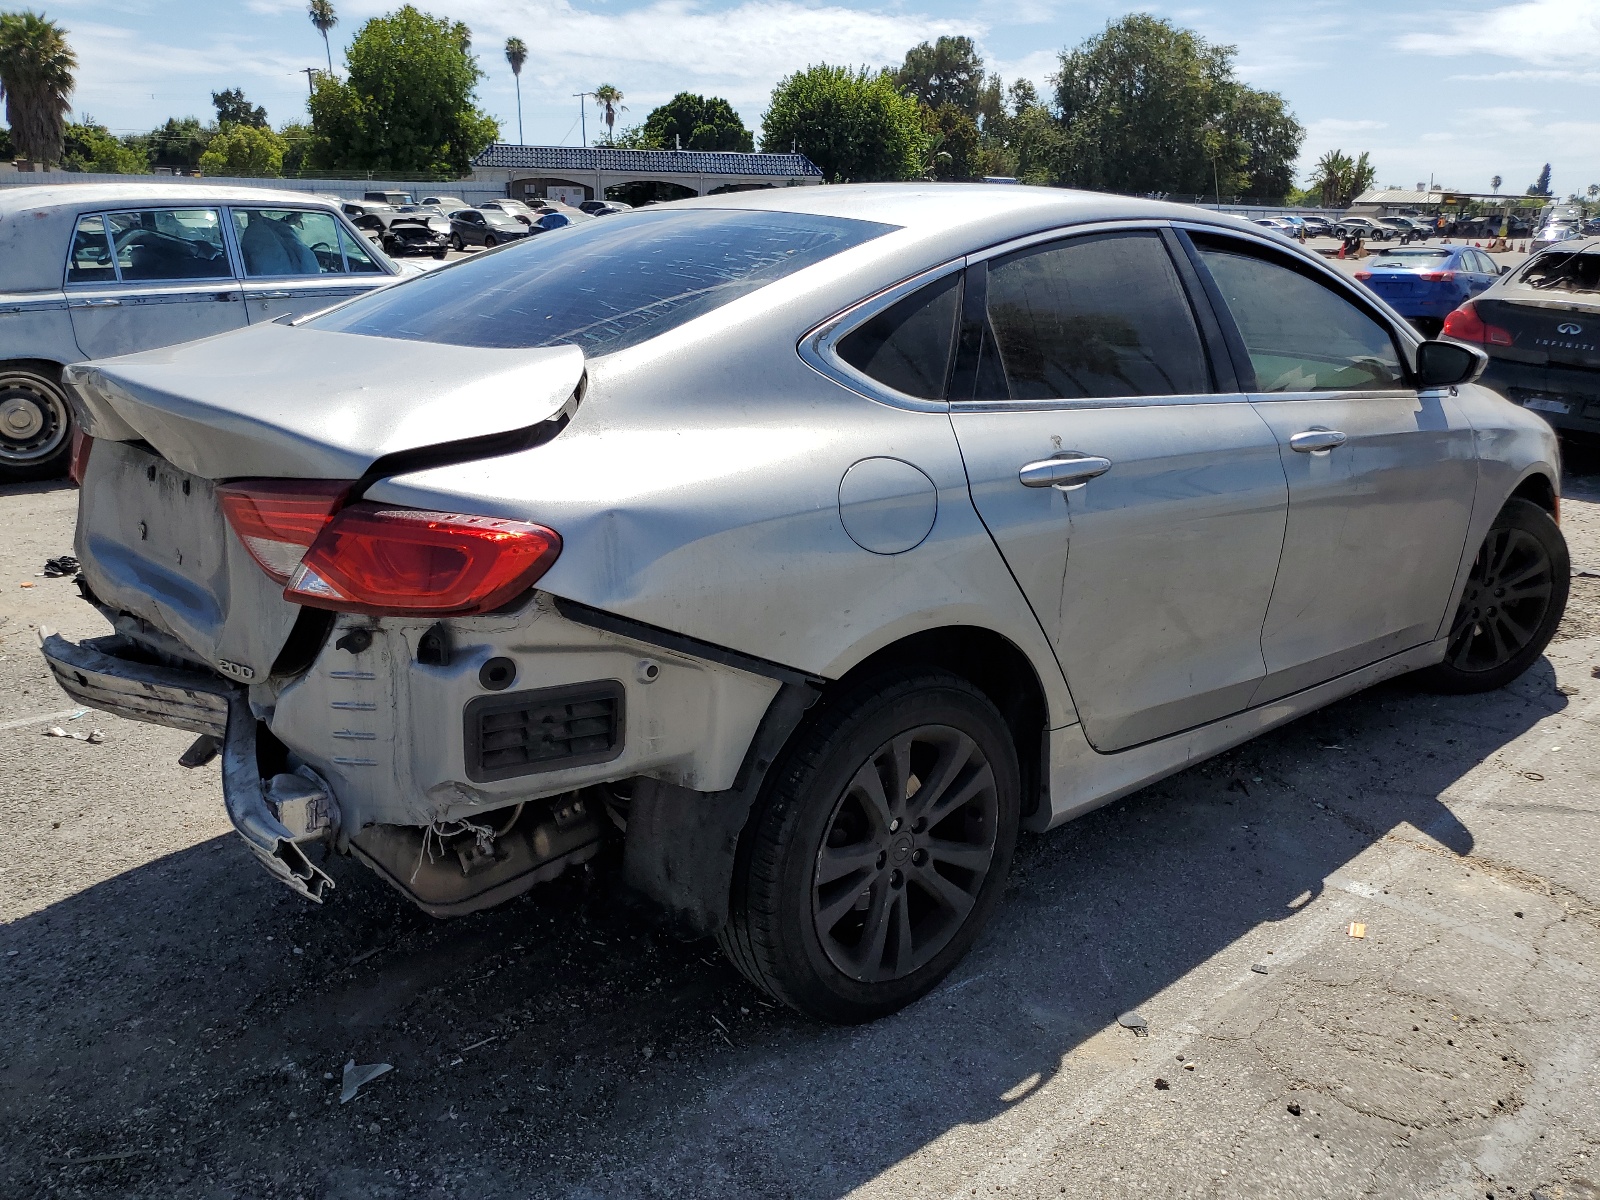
516 55
324 18
610 99
1494 184
36 66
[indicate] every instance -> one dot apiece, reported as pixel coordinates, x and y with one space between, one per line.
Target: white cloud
1335 127
1537 31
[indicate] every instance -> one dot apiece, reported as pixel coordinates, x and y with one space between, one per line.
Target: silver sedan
811 544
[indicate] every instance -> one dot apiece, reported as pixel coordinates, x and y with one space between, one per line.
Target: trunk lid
1552 312
294 404
287 402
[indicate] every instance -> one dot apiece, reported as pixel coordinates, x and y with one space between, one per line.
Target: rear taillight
1439 276
1363 275
279 519
1464 324
405 562
78 465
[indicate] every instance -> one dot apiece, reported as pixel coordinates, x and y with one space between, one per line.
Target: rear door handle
1063 473
270 295
98 304
1314 440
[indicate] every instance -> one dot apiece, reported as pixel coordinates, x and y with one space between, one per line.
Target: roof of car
33 198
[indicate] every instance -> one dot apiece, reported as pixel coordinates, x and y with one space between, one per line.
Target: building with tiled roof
573 174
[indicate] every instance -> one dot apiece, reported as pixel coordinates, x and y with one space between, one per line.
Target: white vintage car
98 270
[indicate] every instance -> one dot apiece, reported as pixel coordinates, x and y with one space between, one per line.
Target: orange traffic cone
1341 251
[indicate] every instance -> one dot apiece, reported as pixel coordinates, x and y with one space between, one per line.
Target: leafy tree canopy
407 103
1541 185
948 71
179 143
855 124
90 146
36 82
1337 179
243 150
696 123
1148 107
234 109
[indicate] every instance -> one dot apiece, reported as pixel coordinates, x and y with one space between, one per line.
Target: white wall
471 190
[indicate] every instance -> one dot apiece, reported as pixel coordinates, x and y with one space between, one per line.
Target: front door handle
98 304
1063 473
1314 440
270 295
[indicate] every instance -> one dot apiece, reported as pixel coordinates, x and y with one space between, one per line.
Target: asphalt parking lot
176 1023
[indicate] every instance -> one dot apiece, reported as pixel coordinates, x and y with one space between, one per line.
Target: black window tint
907 346
91 260
603 285
1095 316
1301 335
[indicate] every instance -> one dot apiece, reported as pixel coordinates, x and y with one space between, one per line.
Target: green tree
36 67
1541 185
297 137
1338 179
855 124
1148 107
234 109
516 55
90 146
407 101
609 97
178 144
324 18
695 122
947 71
244 150
955 150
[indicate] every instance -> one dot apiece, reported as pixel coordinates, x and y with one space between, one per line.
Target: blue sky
1460 90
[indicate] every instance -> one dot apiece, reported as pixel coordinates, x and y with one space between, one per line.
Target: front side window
1562 271
1096 316
287 241
91 260
357 254
907 346
1300 335
169 244
603 285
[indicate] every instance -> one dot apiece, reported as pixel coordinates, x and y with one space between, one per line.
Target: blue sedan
1426 283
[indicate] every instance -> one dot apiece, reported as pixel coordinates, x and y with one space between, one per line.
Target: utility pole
310 73
583 115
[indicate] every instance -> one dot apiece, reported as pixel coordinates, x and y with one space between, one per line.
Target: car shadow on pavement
180 1029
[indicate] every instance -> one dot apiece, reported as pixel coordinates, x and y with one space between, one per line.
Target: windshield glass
1410 258
603 285
1564 272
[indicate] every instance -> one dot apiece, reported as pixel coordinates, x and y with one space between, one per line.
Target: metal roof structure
646 162
1441 196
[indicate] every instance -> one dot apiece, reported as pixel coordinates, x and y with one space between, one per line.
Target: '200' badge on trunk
236 670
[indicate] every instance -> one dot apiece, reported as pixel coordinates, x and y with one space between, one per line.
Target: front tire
1515 596
35 422
878 849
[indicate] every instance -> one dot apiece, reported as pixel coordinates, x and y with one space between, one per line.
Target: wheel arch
993 664
1541 489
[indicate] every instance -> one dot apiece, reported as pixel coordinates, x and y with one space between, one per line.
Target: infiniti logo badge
1569 328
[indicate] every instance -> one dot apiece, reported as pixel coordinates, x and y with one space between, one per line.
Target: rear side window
603 285
90 260
169 244
1092 317
907 346
1300 334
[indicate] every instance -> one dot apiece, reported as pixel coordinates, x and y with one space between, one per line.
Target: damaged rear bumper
111 675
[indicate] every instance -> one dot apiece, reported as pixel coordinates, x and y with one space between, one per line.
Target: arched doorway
648 191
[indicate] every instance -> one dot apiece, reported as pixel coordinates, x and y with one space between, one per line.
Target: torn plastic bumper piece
107 674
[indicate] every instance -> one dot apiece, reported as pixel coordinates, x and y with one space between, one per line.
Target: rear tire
35 422
488 241
456 243
850 898
1515 596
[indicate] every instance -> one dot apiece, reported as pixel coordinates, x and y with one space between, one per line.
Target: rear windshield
1401 258
602 285
1563 272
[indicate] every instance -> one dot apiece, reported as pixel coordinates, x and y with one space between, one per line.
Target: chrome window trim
219 207
819 347
1063 232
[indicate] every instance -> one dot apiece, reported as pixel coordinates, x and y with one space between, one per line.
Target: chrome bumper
103 673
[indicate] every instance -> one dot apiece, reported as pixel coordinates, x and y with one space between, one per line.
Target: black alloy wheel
1515 596
878 848
456 243
488 241
35 423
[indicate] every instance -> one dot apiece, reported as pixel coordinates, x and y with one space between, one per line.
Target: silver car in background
811 543
98 270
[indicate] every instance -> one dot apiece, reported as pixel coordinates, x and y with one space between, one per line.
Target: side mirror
1445 364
